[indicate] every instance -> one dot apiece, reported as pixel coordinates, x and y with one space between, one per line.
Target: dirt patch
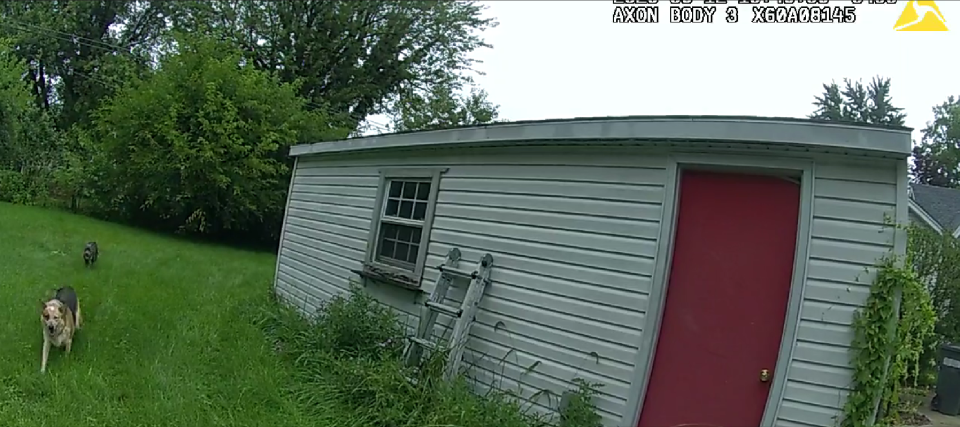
940 420
914 419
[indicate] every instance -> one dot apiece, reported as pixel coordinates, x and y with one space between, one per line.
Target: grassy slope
164 341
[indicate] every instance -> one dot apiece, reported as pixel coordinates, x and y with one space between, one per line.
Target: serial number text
804 15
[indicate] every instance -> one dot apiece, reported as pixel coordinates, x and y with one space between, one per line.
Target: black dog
90 253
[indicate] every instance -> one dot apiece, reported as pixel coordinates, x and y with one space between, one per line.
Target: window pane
391 250
388 231
406 209
419 210
412 256
386 248
395 187
409 190
401 251
392 206
423 191
405 234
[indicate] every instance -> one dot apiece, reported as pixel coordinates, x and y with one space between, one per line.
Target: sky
563 59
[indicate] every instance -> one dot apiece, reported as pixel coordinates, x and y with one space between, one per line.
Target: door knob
764 375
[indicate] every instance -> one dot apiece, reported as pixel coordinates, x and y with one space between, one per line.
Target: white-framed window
400 230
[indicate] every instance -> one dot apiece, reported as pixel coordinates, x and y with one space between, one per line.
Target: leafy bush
350 374
71 182
15 102
935 259
13 187
359 327
199 147
579 409
354 326
29 144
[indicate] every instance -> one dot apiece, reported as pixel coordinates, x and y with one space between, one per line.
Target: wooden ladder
464 314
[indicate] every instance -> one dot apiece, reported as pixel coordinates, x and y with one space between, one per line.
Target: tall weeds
349 372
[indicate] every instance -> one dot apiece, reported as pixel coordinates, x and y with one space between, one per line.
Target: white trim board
916 209
638 130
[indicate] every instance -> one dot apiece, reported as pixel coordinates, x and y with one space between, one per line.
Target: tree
443 108
353 59
79 52
937 156
935 259
15 102
200 146
29 146
150 132
871 104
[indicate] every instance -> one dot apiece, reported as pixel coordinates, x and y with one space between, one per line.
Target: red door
726 300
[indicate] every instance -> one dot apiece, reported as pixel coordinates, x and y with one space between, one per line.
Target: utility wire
74 37
112 48
109 47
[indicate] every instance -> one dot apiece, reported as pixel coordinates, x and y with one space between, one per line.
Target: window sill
388 275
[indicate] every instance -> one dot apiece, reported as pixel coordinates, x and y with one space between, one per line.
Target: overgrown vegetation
894 332
181 334
178 115
929 280
349 368
217 137
578 409
935 258
30 148
165 341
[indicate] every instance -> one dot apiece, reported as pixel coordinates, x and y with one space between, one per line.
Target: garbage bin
947 399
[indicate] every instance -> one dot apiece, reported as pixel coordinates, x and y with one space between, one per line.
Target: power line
79 40
102 44
112 48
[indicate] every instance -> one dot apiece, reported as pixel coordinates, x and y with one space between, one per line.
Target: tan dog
61 319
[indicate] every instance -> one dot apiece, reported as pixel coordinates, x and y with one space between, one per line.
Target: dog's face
53 316
87 253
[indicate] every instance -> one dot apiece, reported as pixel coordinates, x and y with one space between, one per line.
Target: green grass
178 333
166 338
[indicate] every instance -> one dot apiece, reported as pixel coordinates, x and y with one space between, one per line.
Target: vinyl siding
848 237
573 239
573 251
325 235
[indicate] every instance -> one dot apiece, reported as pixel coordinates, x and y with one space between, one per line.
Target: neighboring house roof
938 204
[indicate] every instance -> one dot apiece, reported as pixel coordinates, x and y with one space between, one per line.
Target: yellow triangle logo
920 15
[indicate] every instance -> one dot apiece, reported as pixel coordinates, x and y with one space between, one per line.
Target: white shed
705 270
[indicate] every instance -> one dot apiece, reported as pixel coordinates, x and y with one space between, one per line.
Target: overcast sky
562 59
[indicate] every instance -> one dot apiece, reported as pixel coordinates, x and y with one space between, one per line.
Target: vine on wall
876 346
